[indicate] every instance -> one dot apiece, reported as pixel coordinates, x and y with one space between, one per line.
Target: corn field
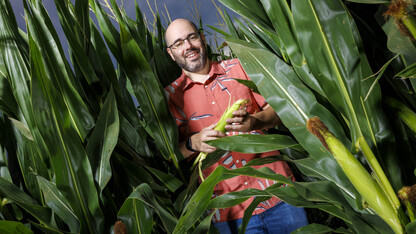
87 144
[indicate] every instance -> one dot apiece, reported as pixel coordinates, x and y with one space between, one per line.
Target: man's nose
187 43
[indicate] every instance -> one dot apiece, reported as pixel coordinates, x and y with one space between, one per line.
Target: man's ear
170 53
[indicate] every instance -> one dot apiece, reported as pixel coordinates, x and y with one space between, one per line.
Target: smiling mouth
192 55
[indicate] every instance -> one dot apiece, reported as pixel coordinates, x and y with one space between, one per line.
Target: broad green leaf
293 102
22 128
12 192
151 98
103 140
201 198
12 227
145 195
252 10
110 33
247 143
82 11
77 37
8 104
73 173
282 19
136 215
57 68
205 226
172 183
58 203
411 227
314 228
15 63
334 56
250 84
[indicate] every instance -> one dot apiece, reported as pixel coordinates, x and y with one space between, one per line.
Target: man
197 100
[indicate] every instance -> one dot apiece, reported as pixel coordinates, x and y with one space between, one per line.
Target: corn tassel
369 189
219 127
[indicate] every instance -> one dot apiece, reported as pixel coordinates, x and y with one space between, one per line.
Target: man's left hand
245 122
242 122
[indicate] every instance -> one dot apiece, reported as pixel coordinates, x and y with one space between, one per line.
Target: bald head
191 54
176 27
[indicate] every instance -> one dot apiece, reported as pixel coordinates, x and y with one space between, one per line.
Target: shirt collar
215 70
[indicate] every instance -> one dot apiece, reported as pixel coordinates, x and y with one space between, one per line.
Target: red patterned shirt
197 105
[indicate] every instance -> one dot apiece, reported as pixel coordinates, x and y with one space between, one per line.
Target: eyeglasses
191 38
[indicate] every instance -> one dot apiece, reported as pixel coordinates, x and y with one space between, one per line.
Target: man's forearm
265 119
185 152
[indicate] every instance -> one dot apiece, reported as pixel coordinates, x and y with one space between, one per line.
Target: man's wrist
188 145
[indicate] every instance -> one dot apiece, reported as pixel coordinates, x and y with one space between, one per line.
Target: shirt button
237 161
206 86
245 183
213 103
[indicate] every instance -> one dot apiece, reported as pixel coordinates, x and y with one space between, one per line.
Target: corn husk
368 188
220 127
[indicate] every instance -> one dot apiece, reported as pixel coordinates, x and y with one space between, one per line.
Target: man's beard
193 66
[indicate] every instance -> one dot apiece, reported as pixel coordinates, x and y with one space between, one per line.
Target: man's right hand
206 134
198 141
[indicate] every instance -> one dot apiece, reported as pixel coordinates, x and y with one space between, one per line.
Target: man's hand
206 134
242 122
245 122
197 141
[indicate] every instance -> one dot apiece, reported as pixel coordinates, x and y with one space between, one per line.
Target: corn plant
307 59
77 154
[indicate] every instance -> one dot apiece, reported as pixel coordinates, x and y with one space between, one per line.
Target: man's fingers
240 113
235 120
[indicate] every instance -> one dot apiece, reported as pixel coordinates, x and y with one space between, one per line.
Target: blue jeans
280 219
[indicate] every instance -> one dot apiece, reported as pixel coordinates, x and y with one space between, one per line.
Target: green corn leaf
151 98
247 143
82 12
144 193
205 225
8 104
57 68
201 198
172 183
136 215
58 203
22 128
252 10
15 62
110 33
273 77
103 140
10 227
77 37
73 172
282 19
334 64
12 192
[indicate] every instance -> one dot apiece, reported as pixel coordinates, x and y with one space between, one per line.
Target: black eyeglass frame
183 40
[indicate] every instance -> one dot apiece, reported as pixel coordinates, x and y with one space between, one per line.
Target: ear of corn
220 127
357 174
408 197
